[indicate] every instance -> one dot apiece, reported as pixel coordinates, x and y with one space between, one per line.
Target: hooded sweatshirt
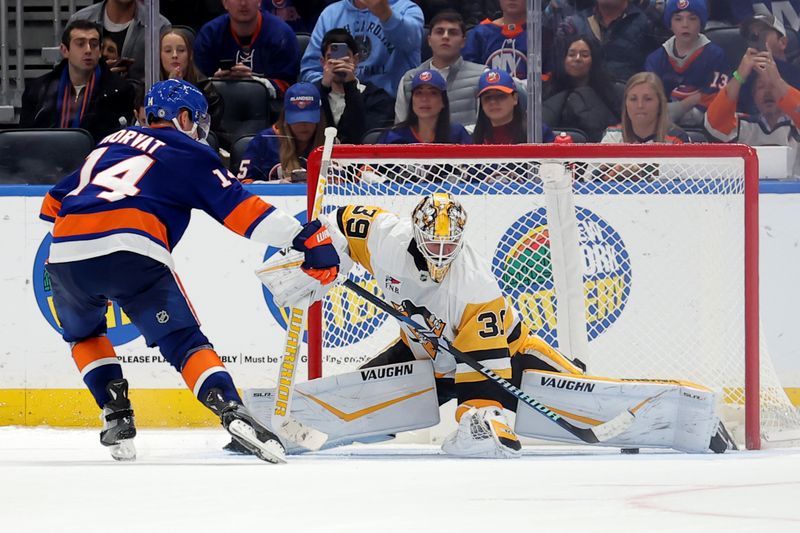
387 49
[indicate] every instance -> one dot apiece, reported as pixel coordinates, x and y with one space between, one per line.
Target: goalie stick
599 433
282 421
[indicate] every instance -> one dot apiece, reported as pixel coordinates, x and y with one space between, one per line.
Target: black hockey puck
629 451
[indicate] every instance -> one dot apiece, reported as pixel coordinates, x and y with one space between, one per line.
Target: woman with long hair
581 93
428 115
177 62
501 115
645 117
280 153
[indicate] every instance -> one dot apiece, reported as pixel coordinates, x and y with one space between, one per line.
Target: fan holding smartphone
338 65
353 105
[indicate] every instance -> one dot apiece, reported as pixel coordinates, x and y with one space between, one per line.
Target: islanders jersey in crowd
261 160
466 307
136 191
503 47
271 52
407 135
704 69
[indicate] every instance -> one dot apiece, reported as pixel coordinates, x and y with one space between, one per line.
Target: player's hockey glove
321 260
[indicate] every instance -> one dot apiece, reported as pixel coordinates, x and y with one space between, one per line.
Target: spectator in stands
503 43
109 50
580 94
447 38
123 21
279 154
428 115
645 118
692 68
353 106
625 33
388 33
764 28
501 115
177 61
777 120
81 91
248 43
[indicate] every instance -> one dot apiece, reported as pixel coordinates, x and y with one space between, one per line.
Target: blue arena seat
246 106
42 156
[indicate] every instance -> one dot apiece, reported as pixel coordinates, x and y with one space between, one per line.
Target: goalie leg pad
368 403
667 414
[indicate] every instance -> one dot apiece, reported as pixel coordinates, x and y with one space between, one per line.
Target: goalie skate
483 432
245 430
118 424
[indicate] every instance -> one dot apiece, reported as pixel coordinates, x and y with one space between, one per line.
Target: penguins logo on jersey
120 328
427 338
522 266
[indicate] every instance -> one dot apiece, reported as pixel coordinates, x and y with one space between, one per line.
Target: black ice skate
118 427
245 430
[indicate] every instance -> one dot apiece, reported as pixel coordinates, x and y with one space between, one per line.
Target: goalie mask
439 222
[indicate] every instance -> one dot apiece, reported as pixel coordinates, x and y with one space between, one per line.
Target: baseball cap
698 7
429 77
763 15
496 80
301 103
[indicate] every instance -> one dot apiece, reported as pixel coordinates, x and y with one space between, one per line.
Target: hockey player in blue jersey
692 68
116 220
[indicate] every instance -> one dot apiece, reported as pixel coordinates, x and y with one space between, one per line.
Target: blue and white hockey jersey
704 69
136 191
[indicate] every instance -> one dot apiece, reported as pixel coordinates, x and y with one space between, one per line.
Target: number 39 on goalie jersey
467 307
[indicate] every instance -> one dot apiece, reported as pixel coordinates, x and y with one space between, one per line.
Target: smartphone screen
338 51
758 41
226 64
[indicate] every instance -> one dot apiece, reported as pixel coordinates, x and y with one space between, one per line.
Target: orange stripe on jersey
243 215
198 364
477 404
50 207
92 349
105 221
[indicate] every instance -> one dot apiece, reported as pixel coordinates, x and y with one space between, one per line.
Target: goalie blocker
373 403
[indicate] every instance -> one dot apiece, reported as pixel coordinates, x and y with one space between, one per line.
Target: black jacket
363 111
112 100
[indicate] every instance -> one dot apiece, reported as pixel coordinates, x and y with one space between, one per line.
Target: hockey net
666 268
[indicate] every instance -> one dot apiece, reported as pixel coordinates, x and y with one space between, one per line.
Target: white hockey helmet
439 221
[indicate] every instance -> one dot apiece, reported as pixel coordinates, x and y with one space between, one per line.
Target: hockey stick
599 433
282 422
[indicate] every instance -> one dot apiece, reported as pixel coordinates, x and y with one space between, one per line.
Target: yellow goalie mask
439 222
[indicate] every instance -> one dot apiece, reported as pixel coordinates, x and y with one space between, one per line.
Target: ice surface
64 480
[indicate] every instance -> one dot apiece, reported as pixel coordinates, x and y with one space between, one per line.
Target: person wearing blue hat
692 68
501 116
428 115
279 153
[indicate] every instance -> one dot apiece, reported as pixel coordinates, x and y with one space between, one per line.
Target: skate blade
270 451
123 450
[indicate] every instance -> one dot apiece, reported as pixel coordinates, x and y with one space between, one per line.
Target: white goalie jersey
466 306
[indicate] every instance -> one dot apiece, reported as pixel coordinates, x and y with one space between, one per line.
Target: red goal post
625 260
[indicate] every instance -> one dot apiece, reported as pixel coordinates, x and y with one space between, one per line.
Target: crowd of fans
437 71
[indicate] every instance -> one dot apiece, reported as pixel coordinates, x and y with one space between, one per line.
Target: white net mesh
662 241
